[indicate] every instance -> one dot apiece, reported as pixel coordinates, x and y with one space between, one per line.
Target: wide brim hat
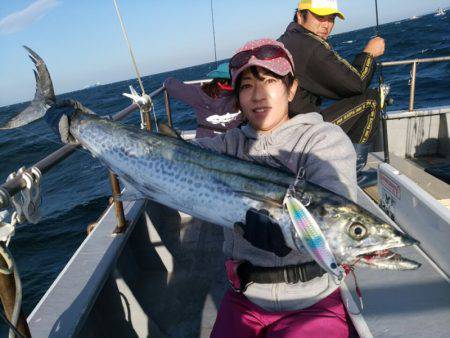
221 72
279 65
321 7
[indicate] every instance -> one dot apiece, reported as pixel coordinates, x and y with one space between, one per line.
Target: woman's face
264 101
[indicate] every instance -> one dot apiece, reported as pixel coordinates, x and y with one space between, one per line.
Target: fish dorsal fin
166 130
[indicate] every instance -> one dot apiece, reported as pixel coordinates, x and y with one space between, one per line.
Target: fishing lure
312 237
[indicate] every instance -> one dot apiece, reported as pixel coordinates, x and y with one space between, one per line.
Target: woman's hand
262 232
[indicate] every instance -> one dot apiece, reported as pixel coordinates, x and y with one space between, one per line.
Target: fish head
359 238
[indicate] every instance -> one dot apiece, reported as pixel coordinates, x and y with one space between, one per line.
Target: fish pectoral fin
166 130
260 198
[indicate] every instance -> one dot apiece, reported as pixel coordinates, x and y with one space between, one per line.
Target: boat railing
414 63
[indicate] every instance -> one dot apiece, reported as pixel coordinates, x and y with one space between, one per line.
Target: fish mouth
385 256
386 259
380 255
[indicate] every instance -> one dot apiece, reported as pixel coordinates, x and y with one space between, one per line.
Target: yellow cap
321 7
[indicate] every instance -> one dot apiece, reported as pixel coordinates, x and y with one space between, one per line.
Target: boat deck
170 277
184 302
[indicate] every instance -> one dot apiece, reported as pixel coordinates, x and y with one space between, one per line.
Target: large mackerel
221 189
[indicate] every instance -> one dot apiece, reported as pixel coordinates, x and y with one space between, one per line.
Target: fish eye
357 231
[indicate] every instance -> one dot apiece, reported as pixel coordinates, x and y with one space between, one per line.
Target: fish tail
43 99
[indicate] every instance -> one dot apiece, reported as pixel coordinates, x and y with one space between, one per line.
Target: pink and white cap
280 65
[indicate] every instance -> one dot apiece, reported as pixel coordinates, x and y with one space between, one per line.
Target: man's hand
263 233
375 47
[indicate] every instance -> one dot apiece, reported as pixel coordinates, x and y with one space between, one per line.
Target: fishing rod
377 28
214 33
377 33
382 90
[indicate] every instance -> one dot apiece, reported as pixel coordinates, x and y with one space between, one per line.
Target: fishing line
133 60
145 117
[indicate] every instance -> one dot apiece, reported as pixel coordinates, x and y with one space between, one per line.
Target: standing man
321 72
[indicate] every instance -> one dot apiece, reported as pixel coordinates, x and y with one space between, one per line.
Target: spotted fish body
213 187
221 189
312 237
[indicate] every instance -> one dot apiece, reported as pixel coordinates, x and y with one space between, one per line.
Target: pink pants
240 318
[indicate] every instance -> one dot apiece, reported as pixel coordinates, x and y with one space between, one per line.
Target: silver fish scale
174 173
220 189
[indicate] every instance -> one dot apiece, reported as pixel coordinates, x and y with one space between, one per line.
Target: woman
283 303
213 102
275 291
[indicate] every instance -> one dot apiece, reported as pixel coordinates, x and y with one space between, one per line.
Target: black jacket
322 72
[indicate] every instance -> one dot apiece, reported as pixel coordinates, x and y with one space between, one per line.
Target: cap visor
281 67
327 11
218 75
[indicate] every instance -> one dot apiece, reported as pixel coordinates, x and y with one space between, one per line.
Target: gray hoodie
328 157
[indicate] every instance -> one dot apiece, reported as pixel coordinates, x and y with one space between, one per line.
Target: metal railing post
413 86
118 206
168 110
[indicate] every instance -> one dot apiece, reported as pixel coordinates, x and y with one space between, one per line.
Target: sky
82 43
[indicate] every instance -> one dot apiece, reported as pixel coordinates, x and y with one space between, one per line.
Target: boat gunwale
113 248
420 112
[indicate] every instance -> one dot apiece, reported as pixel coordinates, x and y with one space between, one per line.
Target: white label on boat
390 186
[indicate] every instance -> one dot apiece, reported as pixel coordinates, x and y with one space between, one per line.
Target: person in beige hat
322 73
